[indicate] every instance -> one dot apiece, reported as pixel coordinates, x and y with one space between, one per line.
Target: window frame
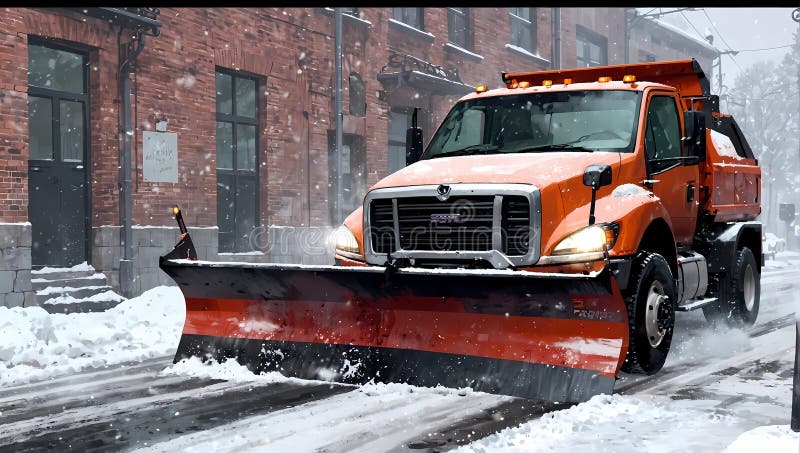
583 34
403 12
464 14
56 96
529 25
235 119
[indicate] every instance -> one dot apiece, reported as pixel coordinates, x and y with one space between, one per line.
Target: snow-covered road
718 390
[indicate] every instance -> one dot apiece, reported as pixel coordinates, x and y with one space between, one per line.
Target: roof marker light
547 83
604 79
514 83
524 84
567 81
629 78
481 88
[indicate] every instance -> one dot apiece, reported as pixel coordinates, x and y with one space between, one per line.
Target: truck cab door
672 180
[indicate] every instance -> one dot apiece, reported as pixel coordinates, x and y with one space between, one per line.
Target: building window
358 95
409 16
523 28
591 48
237 160
399 122
354 174
646 57
458 32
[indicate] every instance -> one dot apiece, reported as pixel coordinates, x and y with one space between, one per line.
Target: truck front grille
459 224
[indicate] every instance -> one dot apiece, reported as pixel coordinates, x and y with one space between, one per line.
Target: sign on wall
160 157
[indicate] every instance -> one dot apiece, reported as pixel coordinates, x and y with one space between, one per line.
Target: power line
766 48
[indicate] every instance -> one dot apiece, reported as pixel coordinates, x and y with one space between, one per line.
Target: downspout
338 101
126 263
556 38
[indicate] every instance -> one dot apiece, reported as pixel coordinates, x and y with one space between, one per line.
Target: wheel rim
655 314
749 288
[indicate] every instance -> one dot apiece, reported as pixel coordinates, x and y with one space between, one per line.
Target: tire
650 299
739 294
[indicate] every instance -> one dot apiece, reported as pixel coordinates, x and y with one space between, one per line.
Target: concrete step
61 273
100 301
93 279
78 293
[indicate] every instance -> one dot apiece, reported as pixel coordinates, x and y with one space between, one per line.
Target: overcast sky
741 29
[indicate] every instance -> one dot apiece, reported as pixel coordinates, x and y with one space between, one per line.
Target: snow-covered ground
36 345
721 391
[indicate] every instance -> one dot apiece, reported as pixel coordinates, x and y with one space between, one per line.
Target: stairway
77 289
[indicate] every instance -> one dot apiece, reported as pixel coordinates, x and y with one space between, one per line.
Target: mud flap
553 337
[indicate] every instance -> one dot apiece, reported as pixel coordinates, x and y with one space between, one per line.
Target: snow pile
36 345
605 423
774 439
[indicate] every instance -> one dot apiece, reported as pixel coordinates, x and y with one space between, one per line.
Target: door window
662 134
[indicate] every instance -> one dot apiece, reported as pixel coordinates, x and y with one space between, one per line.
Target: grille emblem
443 192
445 218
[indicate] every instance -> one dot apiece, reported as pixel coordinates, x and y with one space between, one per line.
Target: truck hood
540 169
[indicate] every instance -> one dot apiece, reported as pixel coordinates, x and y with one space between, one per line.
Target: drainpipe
126 263
556 38
338 44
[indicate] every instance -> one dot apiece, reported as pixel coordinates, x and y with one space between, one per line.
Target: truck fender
722 240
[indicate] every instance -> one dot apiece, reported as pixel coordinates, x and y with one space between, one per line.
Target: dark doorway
58 118
237 160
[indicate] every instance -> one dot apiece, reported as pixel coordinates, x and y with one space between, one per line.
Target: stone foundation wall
15 265
149 242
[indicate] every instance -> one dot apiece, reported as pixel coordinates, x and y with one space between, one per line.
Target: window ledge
450 47
527 53
397 25
350 17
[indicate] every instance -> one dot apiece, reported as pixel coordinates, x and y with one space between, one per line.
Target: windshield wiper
484 148
556 147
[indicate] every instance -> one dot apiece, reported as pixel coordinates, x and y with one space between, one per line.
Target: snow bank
774 439
35 345
606 423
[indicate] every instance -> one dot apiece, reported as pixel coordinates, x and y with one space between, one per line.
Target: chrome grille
458 224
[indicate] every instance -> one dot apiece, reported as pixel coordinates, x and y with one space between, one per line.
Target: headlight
345 242
594 238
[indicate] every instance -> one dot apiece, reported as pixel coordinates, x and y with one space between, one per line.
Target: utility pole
337 13
719 67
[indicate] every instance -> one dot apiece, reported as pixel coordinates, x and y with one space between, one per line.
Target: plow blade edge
550 337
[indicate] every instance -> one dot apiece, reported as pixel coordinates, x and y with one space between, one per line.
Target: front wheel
739 294
650 300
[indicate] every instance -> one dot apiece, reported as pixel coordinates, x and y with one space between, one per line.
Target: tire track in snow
199 405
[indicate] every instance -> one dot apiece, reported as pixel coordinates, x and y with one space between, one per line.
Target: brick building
233 118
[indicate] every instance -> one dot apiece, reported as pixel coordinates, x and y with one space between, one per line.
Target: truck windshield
601 120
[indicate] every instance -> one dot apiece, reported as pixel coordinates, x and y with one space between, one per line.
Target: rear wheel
650 300
739 293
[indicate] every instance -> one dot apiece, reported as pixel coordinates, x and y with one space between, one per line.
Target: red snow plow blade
549 337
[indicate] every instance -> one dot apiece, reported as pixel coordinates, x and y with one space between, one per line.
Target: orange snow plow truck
540 244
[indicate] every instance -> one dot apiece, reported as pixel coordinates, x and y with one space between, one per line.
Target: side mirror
596 176
413 145
694 137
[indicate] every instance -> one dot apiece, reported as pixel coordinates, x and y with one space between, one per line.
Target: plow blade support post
553 337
